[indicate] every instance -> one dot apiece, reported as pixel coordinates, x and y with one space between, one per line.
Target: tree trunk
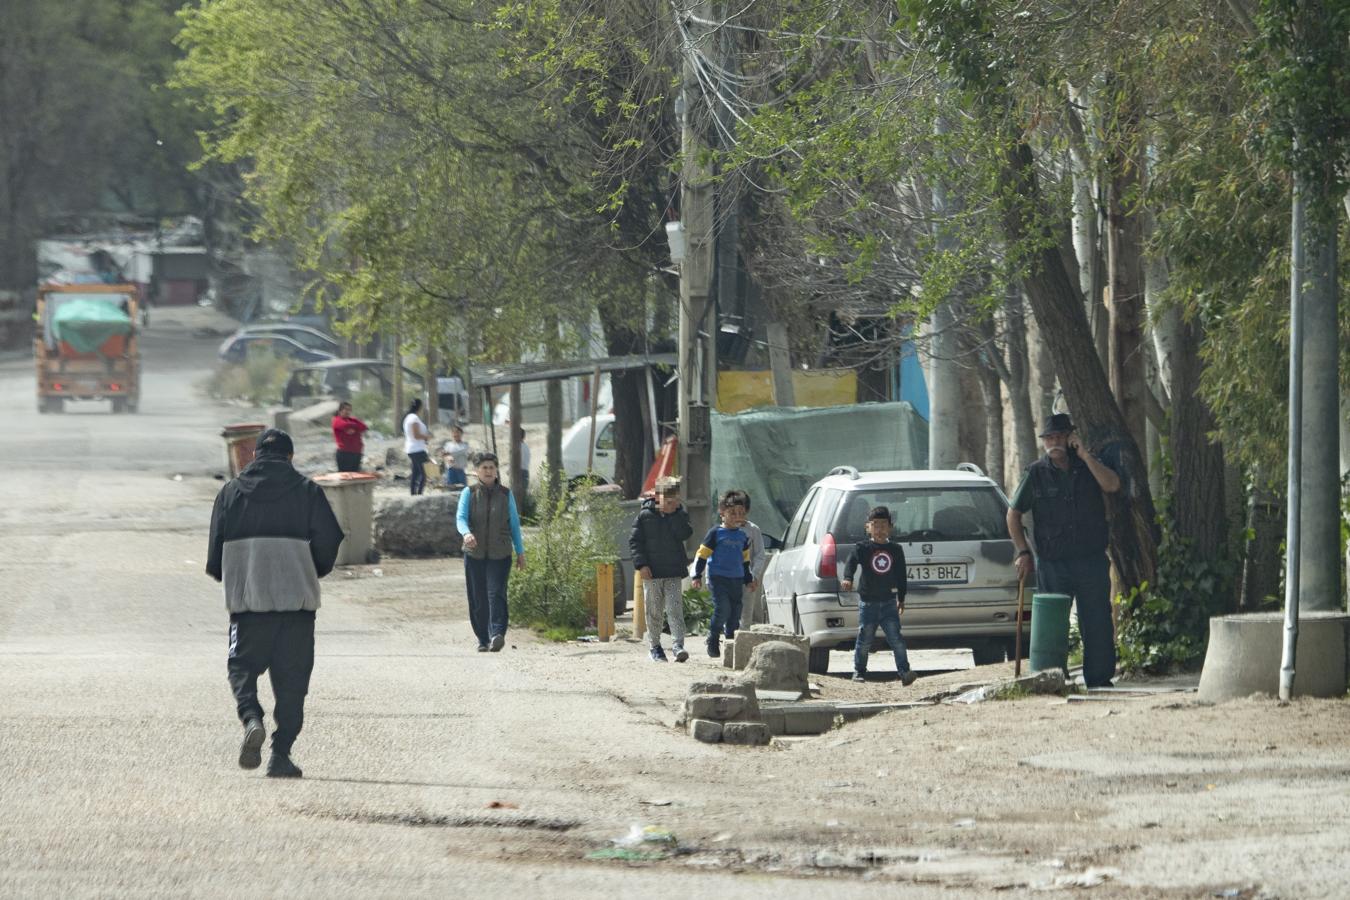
1198 507
1058 306
990 393
1019 382
1125 297
622 340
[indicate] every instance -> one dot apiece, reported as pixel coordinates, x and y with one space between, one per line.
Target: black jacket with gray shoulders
273 536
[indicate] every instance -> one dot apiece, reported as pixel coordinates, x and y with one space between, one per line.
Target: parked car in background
576 442
959 559
237 347
342 379
312 338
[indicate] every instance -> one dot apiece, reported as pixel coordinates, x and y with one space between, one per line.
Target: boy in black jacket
659 557
881 594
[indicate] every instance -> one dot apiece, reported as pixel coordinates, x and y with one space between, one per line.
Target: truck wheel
54 404
119 405
818 661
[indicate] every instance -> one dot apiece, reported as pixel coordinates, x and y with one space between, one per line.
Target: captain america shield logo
881 563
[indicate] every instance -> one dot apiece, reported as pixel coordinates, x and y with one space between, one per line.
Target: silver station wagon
959 561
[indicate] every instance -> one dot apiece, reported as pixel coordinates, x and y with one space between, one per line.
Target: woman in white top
415 437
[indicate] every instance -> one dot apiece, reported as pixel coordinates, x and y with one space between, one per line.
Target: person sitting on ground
881 594
725 553
659 556
455 452
347 433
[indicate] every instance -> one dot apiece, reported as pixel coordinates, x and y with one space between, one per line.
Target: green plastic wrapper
86 324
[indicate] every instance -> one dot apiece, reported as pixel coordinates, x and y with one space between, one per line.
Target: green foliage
258 380
1165 625
698 609
371 407
556 589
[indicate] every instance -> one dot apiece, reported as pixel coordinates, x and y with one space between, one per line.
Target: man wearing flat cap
1063 492
273 536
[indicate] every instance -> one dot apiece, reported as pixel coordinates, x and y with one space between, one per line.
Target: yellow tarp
739 391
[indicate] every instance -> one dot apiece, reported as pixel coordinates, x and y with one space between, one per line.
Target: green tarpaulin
776 454
86 324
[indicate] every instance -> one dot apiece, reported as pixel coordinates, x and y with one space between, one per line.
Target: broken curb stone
778 666
747 734
747 641
705 730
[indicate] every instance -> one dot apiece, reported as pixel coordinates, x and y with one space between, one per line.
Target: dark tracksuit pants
486 580
281 644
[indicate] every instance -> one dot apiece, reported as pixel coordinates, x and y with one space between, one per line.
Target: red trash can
241 444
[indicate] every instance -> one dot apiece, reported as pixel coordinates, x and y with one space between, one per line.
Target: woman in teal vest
488 521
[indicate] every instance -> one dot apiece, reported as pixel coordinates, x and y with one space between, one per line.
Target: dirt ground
432 770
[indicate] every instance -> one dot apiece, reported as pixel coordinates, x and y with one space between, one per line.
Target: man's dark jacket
273 536
657 540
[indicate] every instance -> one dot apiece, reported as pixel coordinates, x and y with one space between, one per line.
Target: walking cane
1017 641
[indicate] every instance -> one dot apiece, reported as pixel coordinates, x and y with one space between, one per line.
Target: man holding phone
1063 491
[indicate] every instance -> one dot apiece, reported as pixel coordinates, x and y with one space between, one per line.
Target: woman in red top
347 431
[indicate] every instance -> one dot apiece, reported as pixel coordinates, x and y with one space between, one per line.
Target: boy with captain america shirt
881 594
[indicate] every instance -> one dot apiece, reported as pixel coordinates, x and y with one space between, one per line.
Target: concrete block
704 730
747 641
752 734
778 666
776 722
724 685
722 707
728 653
808 721
1244 656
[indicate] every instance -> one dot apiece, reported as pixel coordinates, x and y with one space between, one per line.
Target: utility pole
698 305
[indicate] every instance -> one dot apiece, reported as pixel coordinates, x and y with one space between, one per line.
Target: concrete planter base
1244 656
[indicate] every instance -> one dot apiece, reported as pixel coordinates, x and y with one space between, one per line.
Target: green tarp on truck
86 324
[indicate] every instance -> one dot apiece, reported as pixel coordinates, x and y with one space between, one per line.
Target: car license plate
937 573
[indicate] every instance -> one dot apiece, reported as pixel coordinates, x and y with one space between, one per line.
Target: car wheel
987 653
818 661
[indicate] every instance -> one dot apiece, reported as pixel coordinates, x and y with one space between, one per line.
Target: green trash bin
1050 632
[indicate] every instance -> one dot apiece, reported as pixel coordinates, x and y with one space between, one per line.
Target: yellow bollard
639 607
604 600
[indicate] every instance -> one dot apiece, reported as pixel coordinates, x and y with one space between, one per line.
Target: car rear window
926 513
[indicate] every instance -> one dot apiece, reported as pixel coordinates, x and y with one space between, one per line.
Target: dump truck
85 346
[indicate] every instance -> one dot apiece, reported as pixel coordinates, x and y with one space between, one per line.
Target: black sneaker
498 641
658 655
279 765
250 751
681 654
859 677
907 678
714 651
482 648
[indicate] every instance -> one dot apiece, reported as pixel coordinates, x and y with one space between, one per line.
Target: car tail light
827 566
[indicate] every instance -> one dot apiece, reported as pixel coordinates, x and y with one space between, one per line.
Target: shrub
698 607
372 407
556 588
258 380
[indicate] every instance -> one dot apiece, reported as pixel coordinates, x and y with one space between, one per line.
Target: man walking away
1063 492
273 536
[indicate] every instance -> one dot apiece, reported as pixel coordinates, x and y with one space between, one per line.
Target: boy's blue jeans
883 613
727 596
